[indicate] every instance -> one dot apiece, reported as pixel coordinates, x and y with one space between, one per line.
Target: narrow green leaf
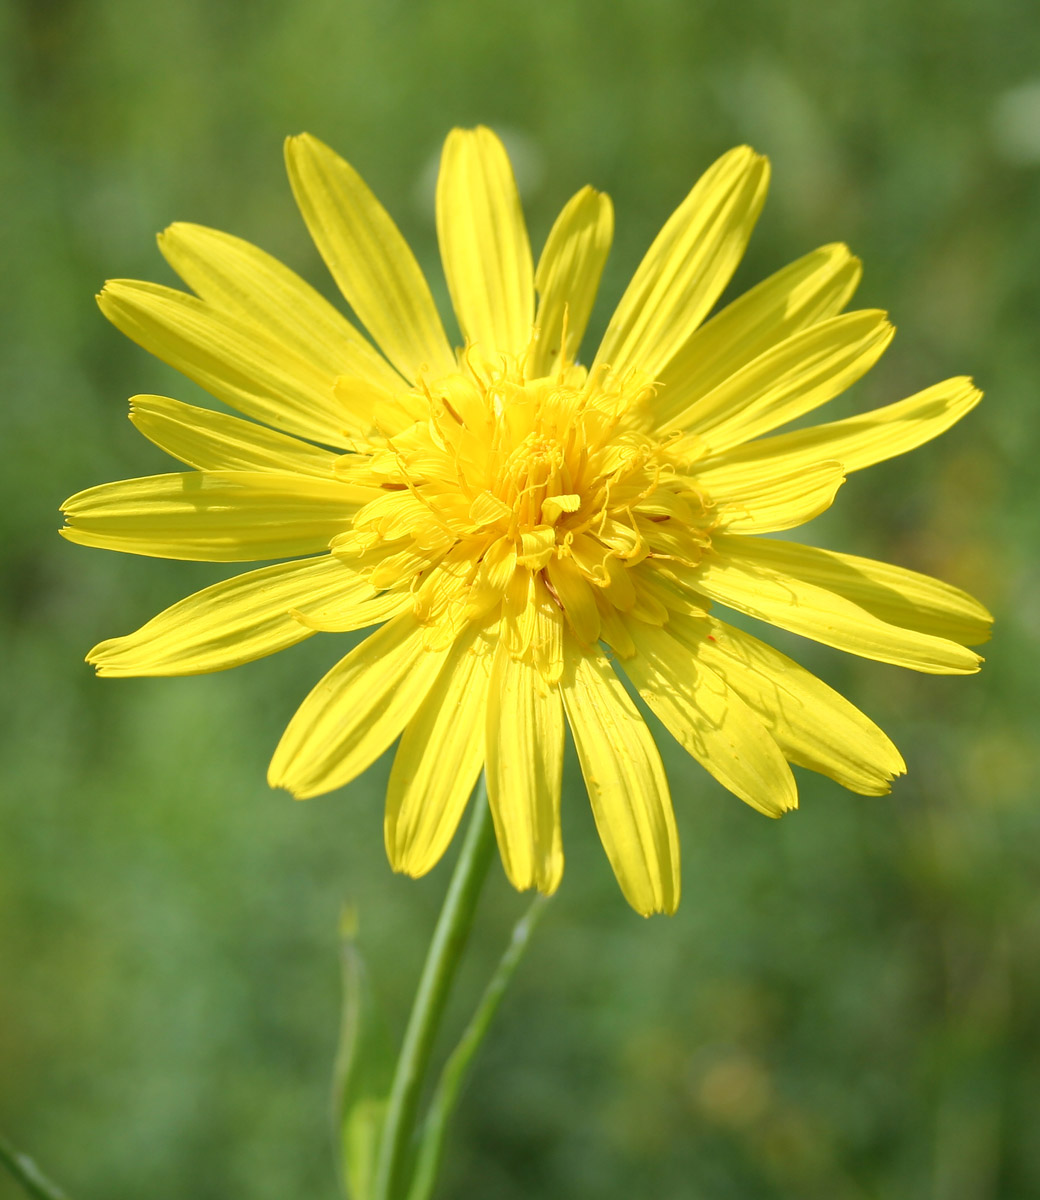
28 1174
362 1070
362 1127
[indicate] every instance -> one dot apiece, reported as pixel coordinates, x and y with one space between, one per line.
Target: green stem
28 1173
442 960
453 1075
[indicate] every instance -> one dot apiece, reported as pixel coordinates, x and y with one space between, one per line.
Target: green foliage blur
847 1004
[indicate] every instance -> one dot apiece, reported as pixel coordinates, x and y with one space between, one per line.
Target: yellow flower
521 527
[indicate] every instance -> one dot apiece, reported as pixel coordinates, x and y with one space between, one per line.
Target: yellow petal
233 274
648 606
213 441
709 720
568 277
812 724
614 632
553 507
537 546
670 593
484 245
496 571
524 738
393 514
861 441
230 623
399 567
670 540
219 516
519 612
233 359
739 573
619 592
753 502
437 763
356 609
368 258
356 710
793 378
487 509
577 598
625 780
688 265
372 407
547 643
809 290
889 592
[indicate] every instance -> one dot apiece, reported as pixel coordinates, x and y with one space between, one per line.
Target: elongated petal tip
97 655
881 785
755 167
105 658
775 807
298 144
403 863
178 230
897 764
745 152
548 873
838 250
665 908
880 315
469 131
277 780
984 616
278 769
842 258
112 291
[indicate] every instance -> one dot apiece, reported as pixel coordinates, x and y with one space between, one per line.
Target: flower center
498 490
533 474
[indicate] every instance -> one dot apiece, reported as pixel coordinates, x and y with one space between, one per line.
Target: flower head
523 529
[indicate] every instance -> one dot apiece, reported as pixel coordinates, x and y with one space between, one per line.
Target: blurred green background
848 1003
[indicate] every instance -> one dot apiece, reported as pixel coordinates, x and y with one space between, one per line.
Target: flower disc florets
533 500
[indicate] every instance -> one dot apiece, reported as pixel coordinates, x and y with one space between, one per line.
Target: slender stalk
442 960
454 1073
28 1173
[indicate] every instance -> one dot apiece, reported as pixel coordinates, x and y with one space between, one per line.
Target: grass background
846 1005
